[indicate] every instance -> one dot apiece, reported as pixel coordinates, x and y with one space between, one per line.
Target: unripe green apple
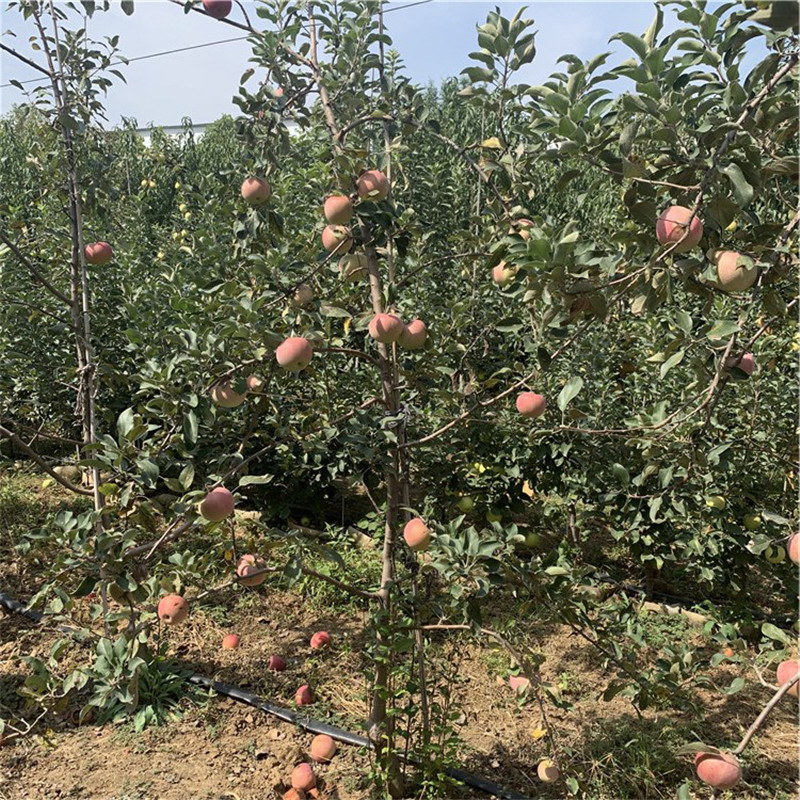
775 555
716 501
493 515
533 539
465 504
752 522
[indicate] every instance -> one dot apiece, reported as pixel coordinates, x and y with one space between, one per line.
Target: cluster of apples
735 272
338 209
303 780
503 273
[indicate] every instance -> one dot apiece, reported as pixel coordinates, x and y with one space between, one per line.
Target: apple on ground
322 749
303 777
276 664
230 642
547 771
304 696
320 639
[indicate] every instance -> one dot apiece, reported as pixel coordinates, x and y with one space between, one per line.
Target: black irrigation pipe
285 714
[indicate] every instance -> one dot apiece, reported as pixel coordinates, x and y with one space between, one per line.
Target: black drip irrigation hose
285 714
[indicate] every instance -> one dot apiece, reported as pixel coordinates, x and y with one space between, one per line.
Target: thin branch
765 712
11 436
33 270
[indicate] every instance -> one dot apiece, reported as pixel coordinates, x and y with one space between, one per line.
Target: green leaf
742 190
186 478
672 361
254 480
772 632
570 391
127 7
328 310
723 329
190 428
638 45
125 422
684 321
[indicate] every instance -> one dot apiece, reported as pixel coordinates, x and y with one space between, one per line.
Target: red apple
793 548
735 272
304 696
786 671
385 328
320 639
337 238
219 9
373 185
223 395
673 223
217 504
303 777
172 609
249 564
502 274
230 642
338 209
256 191
322 749
720 770
530 404
413 335
417 534
254 383
518 683
746 363
294 353
98 253
276 664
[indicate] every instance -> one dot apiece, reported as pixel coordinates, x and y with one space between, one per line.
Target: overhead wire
194 47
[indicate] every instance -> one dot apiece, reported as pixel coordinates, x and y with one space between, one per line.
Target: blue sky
433 39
